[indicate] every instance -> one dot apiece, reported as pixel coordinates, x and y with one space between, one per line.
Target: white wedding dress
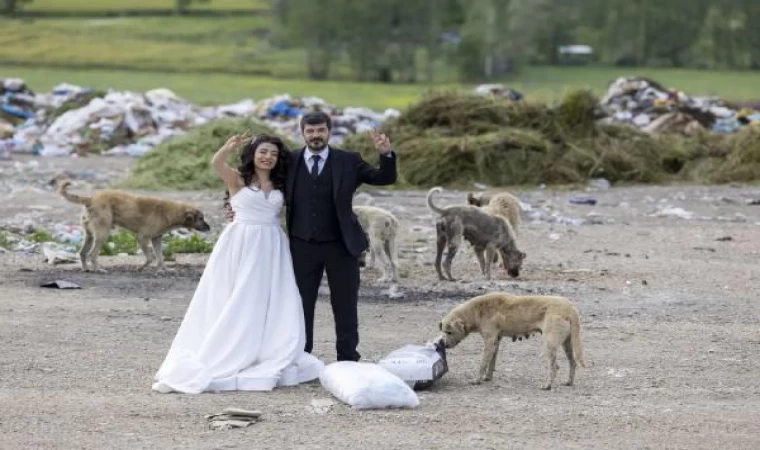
244 328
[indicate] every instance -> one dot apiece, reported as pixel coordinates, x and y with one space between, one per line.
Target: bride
244 328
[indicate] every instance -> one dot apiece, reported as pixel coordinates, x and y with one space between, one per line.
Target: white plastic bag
418 365
367 386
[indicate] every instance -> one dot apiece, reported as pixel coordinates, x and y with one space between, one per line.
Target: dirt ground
670 327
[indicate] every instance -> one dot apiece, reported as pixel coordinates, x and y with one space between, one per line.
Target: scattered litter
322 405
725 239
57 254
60 284
393 292
670 211
499 90
231 418
582 201
601 184
618 373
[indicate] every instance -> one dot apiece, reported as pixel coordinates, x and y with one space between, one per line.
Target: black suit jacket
349 171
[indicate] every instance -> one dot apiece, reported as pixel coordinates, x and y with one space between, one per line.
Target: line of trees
412 40
10 7
401 40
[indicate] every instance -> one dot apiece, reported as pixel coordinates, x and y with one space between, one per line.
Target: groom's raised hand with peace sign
381 141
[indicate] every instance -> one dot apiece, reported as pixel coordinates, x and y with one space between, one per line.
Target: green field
187 44
127 5
199 50
221 88
538 83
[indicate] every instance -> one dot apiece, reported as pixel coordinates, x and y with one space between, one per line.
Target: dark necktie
315 166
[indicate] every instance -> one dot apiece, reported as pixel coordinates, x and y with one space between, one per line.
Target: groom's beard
316 145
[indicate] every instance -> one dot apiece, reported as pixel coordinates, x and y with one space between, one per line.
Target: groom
325 235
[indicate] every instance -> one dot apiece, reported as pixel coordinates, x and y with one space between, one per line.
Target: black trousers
310 261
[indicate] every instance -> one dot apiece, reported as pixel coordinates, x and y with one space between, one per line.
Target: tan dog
496 315
489 235
382 228
148 218
502 203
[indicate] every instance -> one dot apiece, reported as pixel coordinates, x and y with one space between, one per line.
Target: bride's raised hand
237 140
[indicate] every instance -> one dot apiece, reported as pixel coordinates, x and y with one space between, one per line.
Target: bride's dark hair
247 169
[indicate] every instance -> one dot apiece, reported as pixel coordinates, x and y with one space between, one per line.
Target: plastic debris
582 201
77 120
60 284
57 254
233 418
499 90
650 106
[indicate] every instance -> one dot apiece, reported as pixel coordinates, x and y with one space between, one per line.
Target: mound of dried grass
451 138
185 162
742 162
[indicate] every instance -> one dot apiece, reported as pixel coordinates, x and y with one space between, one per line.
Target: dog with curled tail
490 236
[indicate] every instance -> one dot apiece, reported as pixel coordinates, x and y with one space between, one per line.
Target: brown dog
488 234
499 314
148 218
502 203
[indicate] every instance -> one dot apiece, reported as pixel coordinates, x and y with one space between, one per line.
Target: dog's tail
575 338
430 204
63 191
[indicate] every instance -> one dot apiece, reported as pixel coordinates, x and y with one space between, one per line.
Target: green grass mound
185 161
455 139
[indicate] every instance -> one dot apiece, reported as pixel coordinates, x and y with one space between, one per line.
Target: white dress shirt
322 158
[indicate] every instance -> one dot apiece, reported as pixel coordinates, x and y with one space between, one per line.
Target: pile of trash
75 120
500 90
281 113
653 108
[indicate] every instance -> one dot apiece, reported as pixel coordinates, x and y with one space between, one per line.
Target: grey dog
488 234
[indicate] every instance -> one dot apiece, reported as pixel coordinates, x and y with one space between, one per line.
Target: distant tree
8 7
317 26
181 6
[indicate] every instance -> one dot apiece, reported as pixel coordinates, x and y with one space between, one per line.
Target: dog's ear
460 326
473 200
193 215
